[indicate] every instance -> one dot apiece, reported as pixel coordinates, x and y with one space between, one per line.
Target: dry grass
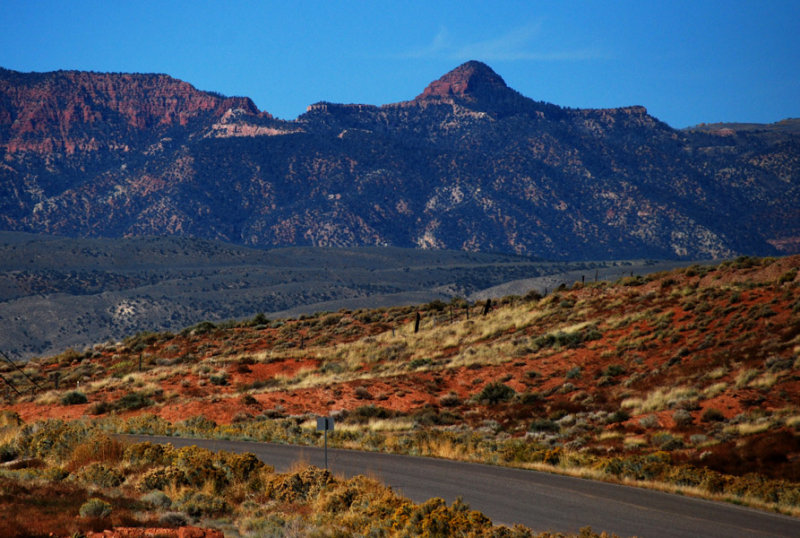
793 421
750 428
744 377
714 390
51 397
635 441
609 435
764 381
717 373
660 399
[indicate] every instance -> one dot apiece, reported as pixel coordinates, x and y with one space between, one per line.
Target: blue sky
686 61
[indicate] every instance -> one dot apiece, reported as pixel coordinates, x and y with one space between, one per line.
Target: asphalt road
541 501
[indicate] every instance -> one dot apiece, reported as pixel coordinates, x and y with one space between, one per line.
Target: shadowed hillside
57 293
469 164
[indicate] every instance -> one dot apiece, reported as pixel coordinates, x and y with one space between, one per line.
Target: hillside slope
58 293
695 366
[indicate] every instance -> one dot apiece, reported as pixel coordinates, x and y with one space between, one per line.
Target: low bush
132 401
620 415
450 399
712 415
362 393
98 474
100 408
364 413
173 519
220 379
95 508
682 418
299 486
496 392
157 499
148 454
74 397
530 398
569 340
544 425
198 504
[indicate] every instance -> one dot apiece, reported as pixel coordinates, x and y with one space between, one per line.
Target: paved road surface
541 501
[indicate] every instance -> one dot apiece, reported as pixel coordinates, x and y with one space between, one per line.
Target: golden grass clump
660 399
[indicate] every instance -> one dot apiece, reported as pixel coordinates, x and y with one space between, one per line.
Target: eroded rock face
80 111
468 80
468 164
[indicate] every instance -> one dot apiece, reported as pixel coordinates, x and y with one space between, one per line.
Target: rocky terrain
469 164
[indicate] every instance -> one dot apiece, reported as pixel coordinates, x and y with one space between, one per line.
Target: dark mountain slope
468 164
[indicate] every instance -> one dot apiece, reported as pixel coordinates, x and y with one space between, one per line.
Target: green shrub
148 454
161 478
52 438
247 399
74 397
148 424
530 398
712 415
198 425
100 408
198 504
158 499
362 393
95 508
682 418
220 380
788 276
495 393
435 518
173 519
450 399
204 327
100 475
543 425
133 400
299 486
364 413
418 363
614 370
240 467
429 416
666 441
569 340
200 467
620 415
8 452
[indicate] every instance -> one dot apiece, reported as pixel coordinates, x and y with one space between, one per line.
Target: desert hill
696 364
684 380
469 164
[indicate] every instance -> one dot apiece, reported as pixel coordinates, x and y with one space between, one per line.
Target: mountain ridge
468 164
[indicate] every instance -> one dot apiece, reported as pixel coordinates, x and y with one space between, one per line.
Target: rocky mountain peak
470 80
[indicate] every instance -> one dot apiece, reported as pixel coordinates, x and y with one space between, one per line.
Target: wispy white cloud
516 44
440 46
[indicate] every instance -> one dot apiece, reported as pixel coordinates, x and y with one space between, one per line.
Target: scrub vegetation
684 380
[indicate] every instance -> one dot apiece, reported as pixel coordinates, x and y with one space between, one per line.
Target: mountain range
469 164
